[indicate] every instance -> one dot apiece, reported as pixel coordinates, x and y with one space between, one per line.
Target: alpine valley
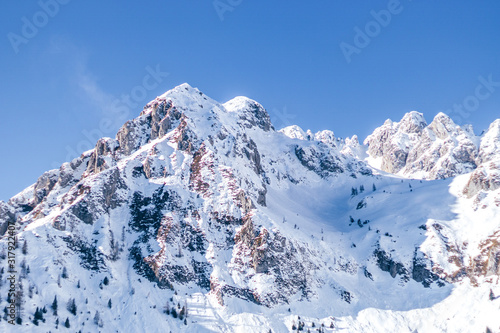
202 217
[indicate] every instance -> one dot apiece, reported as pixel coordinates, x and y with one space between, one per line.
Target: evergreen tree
64 274
182 313
66 323
109 303
361 189
38 316
71 306
105 281
374 188
25 248
174 313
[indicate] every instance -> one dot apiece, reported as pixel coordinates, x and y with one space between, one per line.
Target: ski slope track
202 217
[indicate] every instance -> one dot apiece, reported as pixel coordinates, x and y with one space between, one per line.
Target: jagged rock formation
414 149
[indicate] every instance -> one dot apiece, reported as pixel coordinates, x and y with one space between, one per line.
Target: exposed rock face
414 149
444 150
250 112
490 143
45 184
103 156
7 215
485 178
393 141
419 269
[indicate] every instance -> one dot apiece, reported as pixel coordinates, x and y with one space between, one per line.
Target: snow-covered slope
201 217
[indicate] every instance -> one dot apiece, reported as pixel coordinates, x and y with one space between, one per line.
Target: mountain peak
443 126
250 112
412 122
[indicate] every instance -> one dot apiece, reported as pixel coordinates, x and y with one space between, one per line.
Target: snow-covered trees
71 306
54 306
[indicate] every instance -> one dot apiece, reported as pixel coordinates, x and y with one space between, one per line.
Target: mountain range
202 217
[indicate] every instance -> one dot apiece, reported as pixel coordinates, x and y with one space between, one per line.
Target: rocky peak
327 137
443 126
490 143
412 122
294 132
414 149
250 112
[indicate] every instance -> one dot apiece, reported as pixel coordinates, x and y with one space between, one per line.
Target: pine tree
354 191
374 188
361 189
109 303
78 284
64 274
174 313
105 281
182 313
25 248
38 316
97 319
71 306
185 321
66 323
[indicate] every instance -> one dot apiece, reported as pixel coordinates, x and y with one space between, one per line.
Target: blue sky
66 66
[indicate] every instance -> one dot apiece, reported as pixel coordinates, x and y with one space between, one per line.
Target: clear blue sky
62 79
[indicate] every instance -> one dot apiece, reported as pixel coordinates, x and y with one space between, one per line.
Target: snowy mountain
201 217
